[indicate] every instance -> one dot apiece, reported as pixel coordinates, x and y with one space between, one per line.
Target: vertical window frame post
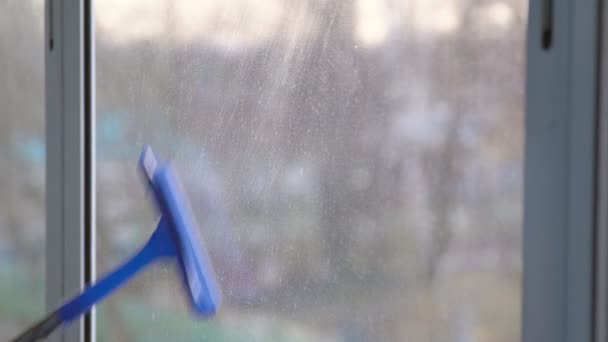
70 186
561 172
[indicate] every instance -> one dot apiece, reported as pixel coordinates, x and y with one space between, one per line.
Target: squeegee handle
160 245
41 329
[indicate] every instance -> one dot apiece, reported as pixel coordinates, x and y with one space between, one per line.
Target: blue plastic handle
160 245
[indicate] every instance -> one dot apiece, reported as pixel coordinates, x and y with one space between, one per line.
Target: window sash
560 173
70 221
560 170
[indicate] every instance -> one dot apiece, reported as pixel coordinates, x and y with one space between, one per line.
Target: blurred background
355 166
22 165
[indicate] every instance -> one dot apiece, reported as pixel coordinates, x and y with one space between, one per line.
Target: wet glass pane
22 165
355 166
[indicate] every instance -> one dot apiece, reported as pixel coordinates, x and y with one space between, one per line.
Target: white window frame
560 172
563 211
70 169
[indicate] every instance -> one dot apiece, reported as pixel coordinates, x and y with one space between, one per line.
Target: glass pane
22 165
355 166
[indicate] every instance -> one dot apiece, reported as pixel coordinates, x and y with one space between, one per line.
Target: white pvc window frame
565 195
70 168
561 172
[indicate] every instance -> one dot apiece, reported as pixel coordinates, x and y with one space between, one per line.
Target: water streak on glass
355 166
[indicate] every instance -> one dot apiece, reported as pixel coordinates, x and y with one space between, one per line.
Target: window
22 161
356 167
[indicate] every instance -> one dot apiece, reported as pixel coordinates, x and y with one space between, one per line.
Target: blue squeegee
176 237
